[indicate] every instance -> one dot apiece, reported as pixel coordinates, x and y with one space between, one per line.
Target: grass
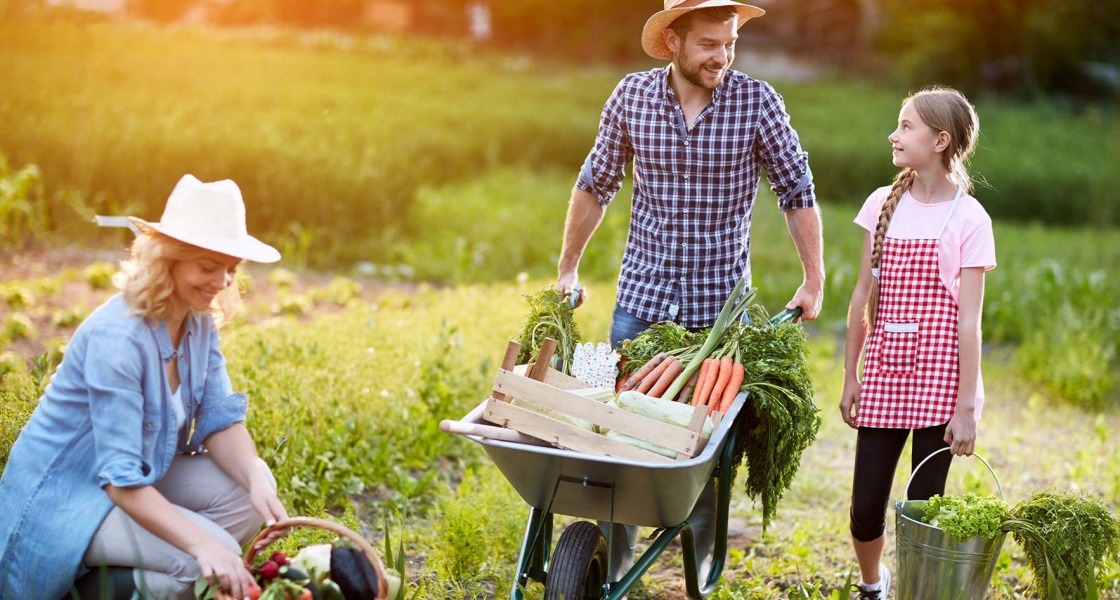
345 405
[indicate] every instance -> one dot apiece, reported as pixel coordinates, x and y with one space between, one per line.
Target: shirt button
686 176
682 279
686 142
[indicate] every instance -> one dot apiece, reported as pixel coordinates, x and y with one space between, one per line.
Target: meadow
377 157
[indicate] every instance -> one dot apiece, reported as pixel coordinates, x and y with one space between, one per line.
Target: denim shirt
105 418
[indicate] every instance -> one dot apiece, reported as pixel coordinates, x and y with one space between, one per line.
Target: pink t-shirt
967 241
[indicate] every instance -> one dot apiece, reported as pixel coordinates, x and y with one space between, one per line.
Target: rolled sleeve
780 152
221 407
605 167
114 370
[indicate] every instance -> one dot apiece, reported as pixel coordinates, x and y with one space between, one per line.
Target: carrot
646 369
721 382
667 378
707 380
688 387
648 381
738 373
621 380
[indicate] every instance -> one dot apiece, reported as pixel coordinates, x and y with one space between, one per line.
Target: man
698 134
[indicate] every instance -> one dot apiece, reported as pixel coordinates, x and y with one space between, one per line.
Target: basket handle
906 492
370 553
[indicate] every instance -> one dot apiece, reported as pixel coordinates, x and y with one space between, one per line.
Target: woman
137 455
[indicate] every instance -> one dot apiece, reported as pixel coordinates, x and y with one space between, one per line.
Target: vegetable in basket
967 516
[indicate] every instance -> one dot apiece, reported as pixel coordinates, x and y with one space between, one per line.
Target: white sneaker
879 591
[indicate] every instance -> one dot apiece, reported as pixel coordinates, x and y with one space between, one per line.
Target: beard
699 75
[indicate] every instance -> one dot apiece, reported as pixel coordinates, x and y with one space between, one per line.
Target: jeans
625 326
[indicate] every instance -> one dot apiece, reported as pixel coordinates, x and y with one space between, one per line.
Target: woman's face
913 143
199 280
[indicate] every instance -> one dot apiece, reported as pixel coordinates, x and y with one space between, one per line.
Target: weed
99 275
17 326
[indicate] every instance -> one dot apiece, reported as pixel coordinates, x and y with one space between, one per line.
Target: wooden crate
541 386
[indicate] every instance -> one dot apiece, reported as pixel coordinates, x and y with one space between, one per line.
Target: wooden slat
551 377
540 365
562 434
663 434
513 348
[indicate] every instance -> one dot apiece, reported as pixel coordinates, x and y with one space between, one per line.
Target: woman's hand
960 433
268 505
849 401
218 565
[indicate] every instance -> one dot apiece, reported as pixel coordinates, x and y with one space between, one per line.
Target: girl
137 455
915 318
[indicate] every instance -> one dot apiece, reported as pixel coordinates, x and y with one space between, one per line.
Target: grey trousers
204 494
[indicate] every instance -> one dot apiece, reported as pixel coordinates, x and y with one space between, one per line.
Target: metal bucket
933 566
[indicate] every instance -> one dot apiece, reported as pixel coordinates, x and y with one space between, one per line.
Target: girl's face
197 281
915 144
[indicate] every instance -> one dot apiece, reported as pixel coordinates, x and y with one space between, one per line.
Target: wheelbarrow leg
534 551
719 550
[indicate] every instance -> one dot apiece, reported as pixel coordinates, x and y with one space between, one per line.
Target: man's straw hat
654 43
210 216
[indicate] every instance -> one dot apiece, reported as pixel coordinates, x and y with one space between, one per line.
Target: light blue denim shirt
105 418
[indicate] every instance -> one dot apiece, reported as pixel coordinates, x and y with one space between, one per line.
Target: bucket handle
906 492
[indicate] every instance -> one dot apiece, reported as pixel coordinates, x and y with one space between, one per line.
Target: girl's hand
960 433
218 565
849 402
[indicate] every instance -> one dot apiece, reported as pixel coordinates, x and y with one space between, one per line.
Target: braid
902 182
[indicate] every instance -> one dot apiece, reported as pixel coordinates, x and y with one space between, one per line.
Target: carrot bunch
654 377
718 383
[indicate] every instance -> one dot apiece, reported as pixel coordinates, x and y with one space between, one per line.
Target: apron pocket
900 347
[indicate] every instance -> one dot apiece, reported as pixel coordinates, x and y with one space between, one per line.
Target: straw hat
653 42
210 216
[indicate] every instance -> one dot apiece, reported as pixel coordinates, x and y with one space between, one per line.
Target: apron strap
949 214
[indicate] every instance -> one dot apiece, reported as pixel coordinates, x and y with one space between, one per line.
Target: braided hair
943 109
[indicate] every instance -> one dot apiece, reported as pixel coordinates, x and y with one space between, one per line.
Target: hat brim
245 248
653 42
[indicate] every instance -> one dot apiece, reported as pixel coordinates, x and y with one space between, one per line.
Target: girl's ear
942 142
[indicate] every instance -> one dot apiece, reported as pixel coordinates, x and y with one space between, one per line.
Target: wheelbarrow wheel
579 565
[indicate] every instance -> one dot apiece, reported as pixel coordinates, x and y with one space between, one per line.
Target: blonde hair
145 278
944 110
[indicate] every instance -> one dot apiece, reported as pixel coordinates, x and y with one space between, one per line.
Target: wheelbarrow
616 490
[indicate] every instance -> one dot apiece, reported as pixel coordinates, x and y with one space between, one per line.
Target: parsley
965 517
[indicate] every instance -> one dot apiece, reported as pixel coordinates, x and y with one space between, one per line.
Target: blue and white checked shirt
689 240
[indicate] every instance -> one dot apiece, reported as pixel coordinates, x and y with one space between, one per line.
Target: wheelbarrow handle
788 314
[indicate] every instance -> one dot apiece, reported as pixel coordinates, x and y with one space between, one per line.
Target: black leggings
877 454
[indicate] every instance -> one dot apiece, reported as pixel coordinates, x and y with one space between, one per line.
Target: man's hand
566 283
809 301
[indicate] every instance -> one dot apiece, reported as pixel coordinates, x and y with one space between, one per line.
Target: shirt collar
163 335
666 92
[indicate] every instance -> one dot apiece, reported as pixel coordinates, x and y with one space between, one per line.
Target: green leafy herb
550 316
666 337
965 517
781 420
1066 538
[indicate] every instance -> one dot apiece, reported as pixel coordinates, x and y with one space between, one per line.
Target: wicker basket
371 554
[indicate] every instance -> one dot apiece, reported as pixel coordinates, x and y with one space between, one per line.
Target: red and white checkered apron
912 365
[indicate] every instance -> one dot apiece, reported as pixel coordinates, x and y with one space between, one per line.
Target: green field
394 163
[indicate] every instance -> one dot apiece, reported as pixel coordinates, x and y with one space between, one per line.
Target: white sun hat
211 216
654 43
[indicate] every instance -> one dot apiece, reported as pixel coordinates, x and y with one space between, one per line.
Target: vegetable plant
550 316
967 516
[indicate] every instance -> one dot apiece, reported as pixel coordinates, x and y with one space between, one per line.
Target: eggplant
350 569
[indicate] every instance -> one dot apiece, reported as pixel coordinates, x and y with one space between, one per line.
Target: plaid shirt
689 240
